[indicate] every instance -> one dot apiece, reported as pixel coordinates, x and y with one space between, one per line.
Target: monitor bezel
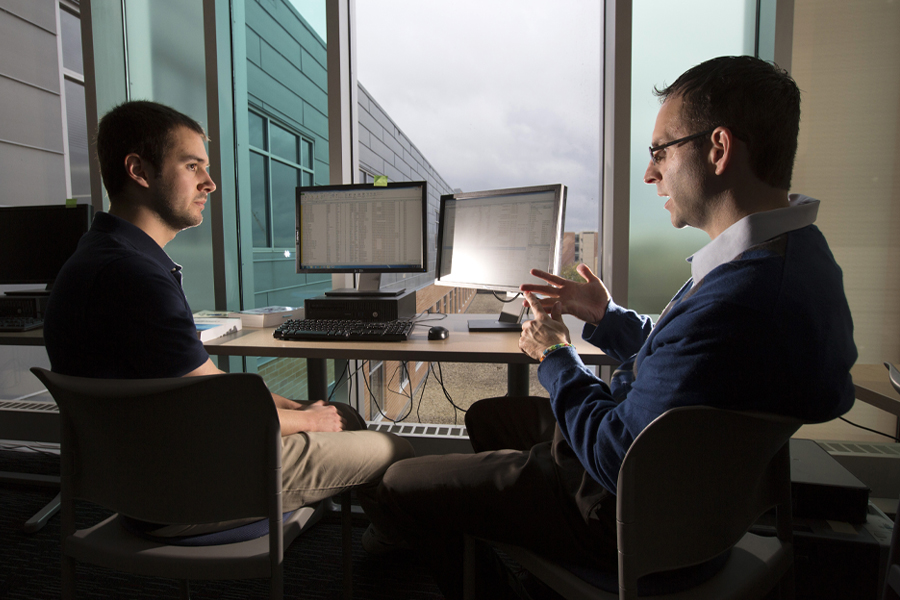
559 209
422 267
86 214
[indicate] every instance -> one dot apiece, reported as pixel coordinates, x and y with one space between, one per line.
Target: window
73 99
280 160
656 257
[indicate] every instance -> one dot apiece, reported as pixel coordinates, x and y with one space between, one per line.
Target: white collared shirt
752 230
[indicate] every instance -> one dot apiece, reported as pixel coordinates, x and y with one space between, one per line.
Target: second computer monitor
362 228
491 240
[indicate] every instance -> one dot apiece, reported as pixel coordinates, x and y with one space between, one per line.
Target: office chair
691 485
180 451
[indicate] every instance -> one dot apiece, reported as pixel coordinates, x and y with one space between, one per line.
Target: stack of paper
268 316
209 328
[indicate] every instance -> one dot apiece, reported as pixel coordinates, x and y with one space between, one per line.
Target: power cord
887 435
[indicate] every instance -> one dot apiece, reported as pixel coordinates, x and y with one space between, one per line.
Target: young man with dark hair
763 324
118 310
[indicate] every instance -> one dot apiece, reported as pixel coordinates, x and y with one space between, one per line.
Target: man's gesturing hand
586 300
544 330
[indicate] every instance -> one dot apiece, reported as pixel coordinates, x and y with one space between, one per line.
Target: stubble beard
166 207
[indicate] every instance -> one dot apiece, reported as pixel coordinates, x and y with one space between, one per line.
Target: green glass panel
306 154
284 144
285 180
257 131
259 201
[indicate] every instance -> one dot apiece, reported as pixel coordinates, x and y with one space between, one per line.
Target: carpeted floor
30 563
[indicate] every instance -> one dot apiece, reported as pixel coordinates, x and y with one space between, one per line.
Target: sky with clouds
504 93
495 94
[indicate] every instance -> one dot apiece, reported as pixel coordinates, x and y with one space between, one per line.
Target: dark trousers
510 490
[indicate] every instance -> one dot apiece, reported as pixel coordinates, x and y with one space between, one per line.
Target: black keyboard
20 323
330 330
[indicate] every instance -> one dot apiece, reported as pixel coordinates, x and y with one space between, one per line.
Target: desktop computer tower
362 308
23 306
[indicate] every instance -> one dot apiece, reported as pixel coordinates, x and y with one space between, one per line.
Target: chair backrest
170 450
694 481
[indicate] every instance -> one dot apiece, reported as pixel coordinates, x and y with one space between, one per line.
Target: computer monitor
35 242
363 228
491 240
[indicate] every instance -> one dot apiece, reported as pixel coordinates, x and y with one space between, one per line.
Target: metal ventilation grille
29 406
885 450
421 430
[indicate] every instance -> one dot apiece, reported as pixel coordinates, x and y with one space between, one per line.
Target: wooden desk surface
35 337
460 346
874 387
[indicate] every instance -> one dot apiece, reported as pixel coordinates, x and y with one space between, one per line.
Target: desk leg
317 378
517 380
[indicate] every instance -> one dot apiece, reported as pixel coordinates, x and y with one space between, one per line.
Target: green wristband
554 348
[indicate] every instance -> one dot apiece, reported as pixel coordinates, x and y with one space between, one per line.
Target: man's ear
138 170
723 149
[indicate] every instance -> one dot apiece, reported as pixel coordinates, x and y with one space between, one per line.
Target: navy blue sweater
769 331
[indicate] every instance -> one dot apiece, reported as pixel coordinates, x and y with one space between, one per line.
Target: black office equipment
361 308
18 324
822 488
365 229
20 306
326 330
35 242
491 240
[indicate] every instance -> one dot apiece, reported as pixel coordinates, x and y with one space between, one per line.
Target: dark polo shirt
118 310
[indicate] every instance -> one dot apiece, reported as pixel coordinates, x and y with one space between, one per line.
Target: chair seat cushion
250 531
666 582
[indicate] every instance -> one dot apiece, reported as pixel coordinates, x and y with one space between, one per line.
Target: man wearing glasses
763 324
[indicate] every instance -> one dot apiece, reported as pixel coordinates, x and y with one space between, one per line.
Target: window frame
269 157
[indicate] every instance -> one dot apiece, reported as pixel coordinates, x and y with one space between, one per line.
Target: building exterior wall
32 154
32 157
287 83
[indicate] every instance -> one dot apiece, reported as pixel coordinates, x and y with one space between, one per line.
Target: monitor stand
504 322
369 285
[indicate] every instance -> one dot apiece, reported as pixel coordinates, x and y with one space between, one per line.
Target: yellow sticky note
71 202
381 181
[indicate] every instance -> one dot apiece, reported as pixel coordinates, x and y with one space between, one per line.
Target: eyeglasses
655 149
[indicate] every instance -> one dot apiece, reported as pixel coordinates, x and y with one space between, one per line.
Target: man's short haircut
758 101
139 127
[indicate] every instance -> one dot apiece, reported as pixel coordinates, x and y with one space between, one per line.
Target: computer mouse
438 333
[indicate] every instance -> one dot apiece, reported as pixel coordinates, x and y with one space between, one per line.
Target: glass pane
285 180
516 102
286 80
657 253
307 178
284 143
70 28
259 200
78 140
166 64
306 154
257 131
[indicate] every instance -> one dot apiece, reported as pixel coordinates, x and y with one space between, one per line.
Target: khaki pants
316 466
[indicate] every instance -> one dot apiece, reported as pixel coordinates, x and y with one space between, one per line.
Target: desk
31 421
874 387
460 346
